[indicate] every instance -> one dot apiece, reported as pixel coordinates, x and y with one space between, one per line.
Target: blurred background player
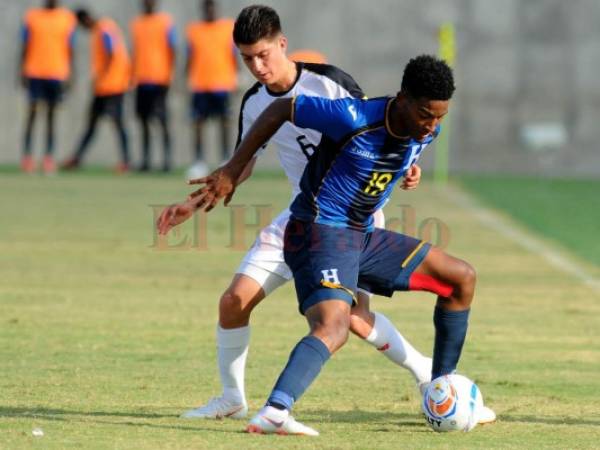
308 56
111 71
154 40
45 69
212 77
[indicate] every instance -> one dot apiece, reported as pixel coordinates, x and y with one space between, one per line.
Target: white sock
388 340
232 350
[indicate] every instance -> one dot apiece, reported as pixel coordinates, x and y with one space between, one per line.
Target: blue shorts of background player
330 263
45 90
209 104
151 101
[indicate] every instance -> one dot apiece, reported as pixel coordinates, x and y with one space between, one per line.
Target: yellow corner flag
447 52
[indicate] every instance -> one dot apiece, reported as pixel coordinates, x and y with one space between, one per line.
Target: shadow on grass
63 415
549 420
376 421
381 421
7 411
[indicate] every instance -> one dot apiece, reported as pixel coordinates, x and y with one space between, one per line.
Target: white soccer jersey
294 144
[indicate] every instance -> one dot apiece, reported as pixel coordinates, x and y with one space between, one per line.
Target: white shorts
264 262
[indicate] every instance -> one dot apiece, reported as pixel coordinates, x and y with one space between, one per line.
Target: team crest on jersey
331 276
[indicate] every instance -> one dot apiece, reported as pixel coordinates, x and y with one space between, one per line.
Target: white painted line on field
497 223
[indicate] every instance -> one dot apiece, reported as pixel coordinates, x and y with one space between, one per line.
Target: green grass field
105 340
567 211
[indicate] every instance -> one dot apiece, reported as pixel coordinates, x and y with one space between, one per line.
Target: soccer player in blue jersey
330 243
262 45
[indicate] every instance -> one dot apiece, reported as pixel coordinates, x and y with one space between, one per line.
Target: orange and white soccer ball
451 403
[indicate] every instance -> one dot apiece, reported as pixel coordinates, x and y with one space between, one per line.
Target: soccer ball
198 170
451 403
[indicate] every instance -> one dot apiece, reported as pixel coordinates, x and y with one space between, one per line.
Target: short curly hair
254 23
428 77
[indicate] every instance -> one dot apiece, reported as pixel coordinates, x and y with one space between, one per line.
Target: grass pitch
105 339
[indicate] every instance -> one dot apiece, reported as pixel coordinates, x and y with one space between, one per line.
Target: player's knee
468 279
233 310
339 329
469 276
337 337
334 330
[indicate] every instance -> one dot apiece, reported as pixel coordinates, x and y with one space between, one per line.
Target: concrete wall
528 99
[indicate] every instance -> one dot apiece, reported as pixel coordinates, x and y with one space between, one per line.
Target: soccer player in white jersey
259 38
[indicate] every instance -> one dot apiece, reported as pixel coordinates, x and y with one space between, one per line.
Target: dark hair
82 14
254 23
429 77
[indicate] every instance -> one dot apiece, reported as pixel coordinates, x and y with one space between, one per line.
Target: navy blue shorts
49 91
331 263
108 105
151 101
207 104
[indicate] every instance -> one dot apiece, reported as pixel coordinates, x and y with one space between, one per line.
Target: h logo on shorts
331 276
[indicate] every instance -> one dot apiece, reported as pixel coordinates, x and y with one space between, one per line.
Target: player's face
266 59
422 116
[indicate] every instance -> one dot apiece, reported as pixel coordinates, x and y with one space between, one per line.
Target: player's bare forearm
70 81
188 66
265 126
20 73
172 60
222 182
246 172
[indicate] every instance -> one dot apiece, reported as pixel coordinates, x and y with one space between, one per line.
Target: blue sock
302 369
450 332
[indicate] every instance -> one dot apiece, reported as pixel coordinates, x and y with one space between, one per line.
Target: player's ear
402 98
283 43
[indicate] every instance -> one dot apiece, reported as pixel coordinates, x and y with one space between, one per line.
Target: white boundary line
497 223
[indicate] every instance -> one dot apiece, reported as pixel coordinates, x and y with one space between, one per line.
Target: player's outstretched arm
412 177
246 172
223 181
174 215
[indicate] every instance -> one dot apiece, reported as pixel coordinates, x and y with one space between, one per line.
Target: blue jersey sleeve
107 41
333 118
172 37
72 39
24 33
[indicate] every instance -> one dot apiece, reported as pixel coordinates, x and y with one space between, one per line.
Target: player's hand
219 184
174 215
412 177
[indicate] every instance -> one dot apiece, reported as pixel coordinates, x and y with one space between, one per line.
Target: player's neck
287 80
395 122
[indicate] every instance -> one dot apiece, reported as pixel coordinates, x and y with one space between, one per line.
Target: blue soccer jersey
358 163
